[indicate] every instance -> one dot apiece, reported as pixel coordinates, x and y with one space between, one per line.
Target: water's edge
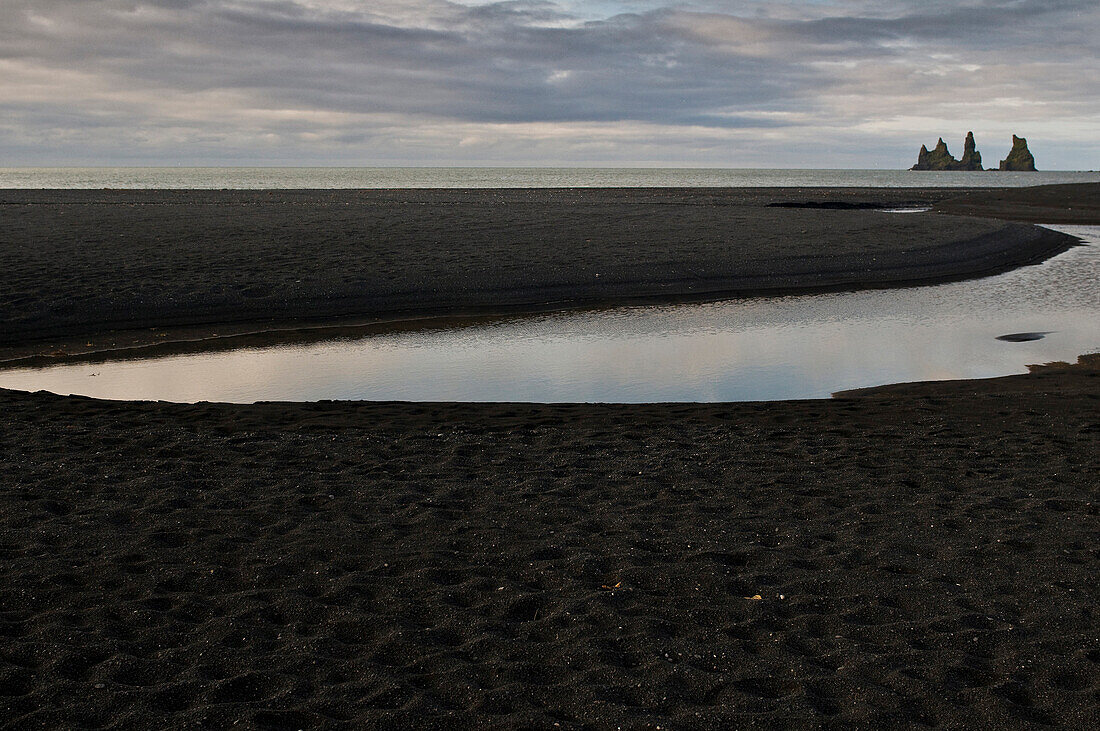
146 342
762 349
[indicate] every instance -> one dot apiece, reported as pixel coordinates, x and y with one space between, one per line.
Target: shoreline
655 246
142 342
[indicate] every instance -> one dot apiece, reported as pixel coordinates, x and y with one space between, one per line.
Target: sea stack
941 159
1020 158
971 159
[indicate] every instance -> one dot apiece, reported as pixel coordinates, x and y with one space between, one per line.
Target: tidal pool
794 347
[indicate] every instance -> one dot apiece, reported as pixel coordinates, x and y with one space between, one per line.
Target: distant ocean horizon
262 178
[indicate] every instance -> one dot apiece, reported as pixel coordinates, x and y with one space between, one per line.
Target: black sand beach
109 266
921 559
923 554
1043 204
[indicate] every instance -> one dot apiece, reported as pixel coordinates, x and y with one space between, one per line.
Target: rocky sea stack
941 159
1020 158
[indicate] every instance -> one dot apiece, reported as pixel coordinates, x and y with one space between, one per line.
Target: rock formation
941 159
1020 158
971 159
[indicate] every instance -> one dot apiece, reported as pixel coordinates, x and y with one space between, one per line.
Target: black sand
78 265
922 559
1068 204
923 554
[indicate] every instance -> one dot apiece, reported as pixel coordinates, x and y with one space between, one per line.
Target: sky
742 83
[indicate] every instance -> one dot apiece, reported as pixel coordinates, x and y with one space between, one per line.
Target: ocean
502 177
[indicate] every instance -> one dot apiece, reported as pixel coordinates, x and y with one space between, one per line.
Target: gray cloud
813 83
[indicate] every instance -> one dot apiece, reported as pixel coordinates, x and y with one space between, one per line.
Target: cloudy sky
742 83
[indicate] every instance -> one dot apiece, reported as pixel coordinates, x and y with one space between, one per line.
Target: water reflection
757 349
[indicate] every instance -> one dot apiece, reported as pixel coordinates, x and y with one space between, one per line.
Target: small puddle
1022 337
795 347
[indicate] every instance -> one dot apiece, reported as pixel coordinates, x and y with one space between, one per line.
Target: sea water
429 177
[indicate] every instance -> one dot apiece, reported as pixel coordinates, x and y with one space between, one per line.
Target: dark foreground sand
921 559
923 555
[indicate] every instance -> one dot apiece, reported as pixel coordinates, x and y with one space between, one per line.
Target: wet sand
921 554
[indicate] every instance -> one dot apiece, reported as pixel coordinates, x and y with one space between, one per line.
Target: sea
245 178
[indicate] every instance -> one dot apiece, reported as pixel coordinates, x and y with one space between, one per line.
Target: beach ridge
189 265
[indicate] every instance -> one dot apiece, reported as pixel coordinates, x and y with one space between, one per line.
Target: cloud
423 81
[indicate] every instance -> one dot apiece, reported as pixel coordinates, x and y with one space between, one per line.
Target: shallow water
793 347
427 177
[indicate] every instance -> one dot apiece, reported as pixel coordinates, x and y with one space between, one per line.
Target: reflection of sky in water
788 347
